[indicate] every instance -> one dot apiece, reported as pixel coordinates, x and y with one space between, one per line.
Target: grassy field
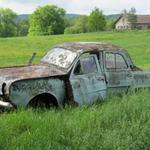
18 50
121 123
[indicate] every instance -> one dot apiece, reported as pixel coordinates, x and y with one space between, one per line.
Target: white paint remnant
60 57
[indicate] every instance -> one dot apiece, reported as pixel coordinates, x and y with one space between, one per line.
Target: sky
78 6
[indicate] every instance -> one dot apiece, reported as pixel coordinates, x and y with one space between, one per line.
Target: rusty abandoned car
79 73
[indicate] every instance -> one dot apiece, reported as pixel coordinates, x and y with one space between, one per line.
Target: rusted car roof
87 46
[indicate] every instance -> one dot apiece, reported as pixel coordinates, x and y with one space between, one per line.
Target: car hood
11 74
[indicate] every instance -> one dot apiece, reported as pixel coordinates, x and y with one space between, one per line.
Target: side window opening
120 62
115 61
110 61
86 65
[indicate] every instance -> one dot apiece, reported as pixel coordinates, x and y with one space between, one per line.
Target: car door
87 81
117 71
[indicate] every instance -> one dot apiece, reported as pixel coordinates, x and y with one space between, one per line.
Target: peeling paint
21 92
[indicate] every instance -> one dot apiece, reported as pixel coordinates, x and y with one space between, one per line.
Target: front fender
21 92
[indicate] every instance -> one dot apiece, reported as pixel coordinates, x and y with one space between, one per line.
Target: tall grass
121 123
118 123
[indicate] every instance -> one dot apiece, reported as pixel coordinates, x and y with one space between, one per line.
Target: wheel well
43 100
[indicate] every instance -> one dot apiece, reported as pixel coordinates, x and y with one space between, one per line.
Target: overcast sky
79 6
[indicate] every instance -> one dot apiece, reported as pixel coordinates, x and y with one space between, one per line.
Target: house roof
141 19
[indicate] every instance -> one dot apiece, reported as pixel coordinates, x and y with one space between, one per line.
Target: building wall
122 24
144 26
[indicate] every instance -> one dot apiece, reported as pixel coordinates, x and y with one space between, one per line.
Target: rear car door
87 81
117 71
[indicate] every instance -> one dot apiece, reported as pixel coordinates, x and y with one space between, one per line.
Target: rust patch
12 74
33 71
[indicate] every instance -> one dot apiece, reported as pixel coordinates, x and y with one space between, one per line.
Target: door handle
129 75
101 78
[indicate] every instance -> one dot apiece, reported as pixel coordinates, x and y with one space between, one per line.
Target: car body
72 73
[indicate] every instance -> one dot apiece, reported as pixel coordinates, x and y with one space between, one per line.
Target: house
122 23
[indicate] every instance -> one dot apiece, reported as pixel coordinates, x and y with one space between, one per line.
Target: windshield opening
59 57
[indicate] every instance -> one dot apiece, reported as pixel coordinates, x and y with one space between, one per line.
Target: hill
26 16
72 15
117 123
113 17
23 17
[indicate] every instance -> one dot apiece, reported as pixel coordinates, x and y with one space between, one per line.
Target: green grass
18 50
118 123
121 123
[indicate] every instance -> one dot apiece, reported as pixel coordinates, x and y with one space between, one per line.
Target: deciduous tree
47 20
132 18
22 28
80 25
97 21
8 26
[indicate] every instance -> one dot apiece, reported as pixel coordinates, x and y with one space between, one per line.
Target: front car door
87 81
117 71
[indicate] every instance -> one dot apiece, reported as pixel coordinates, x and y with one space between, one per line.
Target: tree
47 20
69 22
124 12
97 21
109 24
132 18
22 27
80 25
8 26
82 22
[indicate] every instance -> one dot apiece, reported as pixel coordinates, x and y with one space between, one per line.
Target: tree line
50 19
10 26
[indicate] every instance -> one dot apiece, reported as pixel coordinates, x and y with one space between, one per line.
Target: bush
73 30
80 26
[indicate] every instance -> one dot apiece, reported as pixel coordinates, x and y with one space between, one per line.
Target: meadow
17 51
120 123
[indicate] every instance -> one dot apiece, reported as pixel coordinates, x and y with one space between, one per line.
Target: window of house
86 65
115 61
118 27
